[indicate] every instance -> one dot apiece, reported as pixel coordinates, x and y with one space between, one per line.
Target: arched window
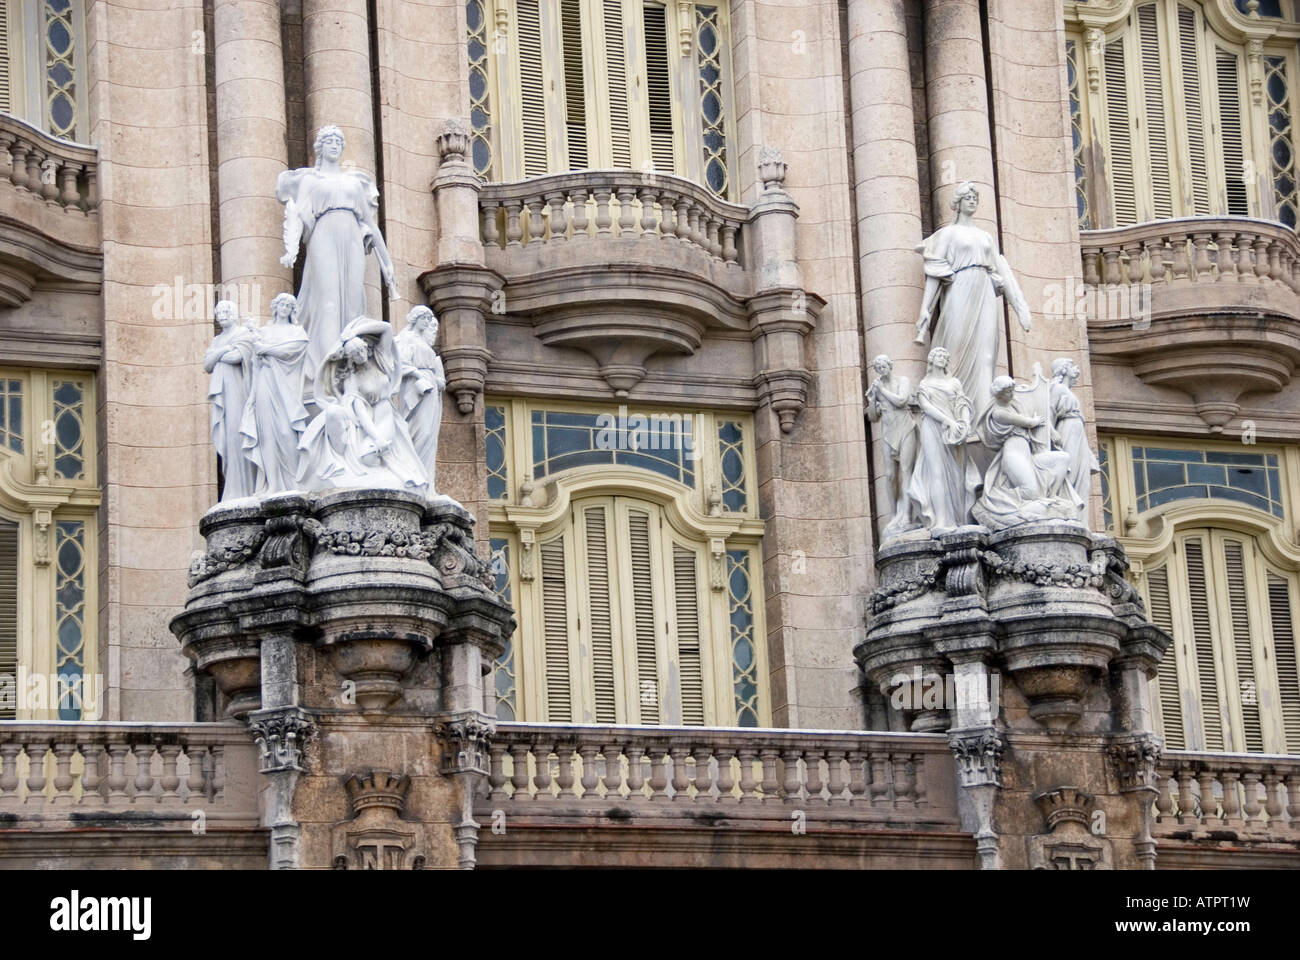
1207 529
42 65
1178 111
629 544
559 85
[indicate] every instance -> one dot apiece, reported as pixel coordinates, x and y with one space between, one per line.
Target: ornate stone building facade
664 241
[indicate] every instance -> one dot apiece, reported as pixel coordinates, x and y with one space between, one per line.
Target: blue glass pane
708 40
1187 456
1200 473
68 467
69 558
1242 459
1281 153
61 112
716 176
69 636
473 16
1241 496
743 654
1165 474
585 459
60 39
1256 481
503 711
1171 494
60 74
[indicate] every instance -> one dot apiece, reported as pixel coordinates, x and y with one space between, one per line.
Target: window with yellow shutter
558 85
42 65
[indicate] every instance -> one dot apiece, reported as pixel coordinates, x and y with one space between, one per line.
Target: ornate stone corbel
1255 69
527 540
42 520
685 19
718 563
979 756
281 734
1095 43
1135 760
465 739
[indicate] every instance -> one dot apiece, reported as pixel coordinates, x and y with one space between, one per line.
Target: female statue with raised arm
275 417
423 381
334 210
229 360
942 488
964 276
358 439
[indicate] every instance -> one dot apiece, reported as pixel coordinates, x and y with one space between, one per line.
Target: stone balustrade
1256 796
546 770
59 771
611 204
63 174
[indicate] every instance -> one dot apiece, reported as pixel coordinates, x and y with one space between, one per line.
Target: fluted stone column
251 149
887 191
958 103
336 65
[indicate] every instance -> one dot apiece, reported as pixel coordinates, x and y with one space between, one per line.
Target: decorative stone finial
771 168
453 140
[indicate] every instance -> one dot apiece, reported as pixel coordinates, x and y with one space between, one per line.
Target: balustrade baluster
770 786
1186 798
6 159
1164 799
1275 261
792 779
647 196
90 774
703 778
1133 250
1111 257
195 783
683 225
536 222
1181 265
35 160
491 236
519 773
812 761
729 252
1293 799
725 779
143 772
36 751
542 775
1224 259
835 776
879 779
1246 259
919 785
602 211
92 189
1261 258
668 215
857 776
635 771
18 161
613 770
63 751
50 180
1250 786
711 232
658 775
9 772
697 234
626 217
1209 806
559 229
497 771
904 779
70 198
117 772
580 213
514 229
1231 798
1091 273
564 779
588 750
1201 257
218 772
1155 257
1273 798
170 779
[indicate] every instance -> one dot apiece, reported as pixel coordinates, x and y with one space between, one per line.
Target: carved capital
1135 760
453 141
281 734
466 738
979 756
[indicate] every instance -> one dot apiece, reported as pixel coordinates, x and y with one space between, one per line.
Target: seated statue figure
1027 480
358 439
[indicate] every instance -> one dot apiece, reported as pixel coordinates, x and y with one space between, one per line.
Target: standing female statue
944 478
1071 434
229 360
1026 480
423 381
358 439
964 275
275 416
335 210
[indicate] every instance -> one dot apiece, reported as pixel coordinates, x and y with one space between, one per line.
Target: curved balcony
1206 305
49 213
621 265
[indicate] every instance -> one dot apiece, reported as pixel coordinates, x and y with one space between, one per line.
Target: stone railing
63 174
52 771
1255 795
611 204
557 771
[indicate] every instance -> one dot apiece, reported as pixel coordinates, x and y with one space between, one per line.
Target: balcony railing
63 771
62 174
1254 796
611 204
548 771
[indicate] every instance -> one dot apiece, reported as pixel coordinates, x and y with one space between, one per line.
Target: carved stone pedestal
1046 653
353 631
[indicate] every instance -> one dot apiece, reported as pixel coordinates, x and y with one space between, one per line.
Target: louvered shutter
1119 129
658 87
1243 654
555 632
620 117
575 90
643 616
1171 701
1228 71
6 96
9 617
687 608
1157 135
1197 191
601 626
1284 653
532 88
1203 644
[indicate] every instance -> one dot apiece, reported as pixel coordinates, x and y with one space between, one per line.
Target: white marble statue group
322 396
968 446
